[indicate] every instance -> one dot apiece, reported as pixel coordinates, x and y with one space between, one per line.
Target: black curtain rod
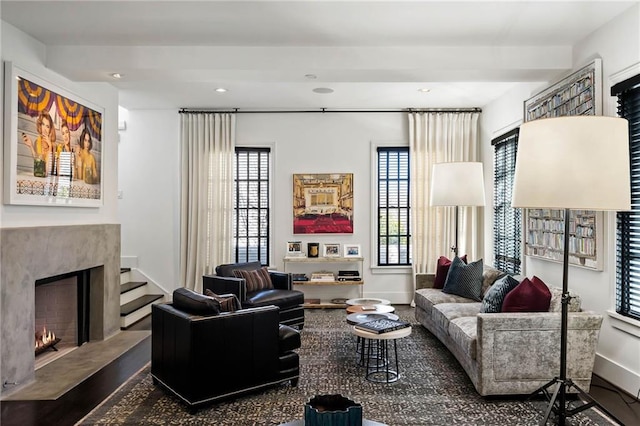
325 110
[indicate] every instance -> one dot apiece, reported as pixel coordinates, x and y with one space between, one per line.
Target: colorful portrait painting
57 146
323 203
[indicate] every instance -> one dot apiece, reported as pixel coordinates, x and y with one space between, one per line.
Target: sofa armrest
425 281
516 351
281 280
221 285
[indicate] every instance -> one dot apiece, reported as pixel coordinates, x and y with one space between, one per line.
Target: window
394 248
251 210
628 223
507 221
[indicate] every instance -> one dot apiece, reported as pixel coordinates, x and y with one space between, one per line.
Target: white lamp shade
578 162
457 184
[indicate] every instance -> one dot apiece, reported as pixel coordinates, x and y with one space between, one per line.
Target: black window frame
393 177
260 179
628 222
507 221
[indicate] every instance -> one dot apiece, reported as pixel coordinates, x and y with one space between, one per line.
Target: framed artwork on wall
323 203
53 144
577 94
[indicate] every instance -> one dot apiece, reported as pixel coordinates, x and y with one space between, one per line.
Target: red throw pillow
442 269
528 296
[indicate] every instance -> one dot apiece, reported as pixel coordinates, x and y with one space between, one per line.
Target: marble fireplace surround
29 254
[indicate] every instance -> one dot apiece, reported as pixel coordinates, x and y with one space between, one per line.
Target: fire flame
47 336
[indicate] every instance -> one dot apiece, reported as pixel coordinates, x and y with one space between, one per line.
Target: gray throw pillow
464 279
493 298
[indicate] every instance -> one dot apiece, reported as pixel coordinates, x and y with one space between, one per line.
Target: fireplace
61 314
70 250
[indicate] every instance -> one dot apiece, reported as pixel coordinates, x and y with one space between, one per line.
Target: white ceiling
373 54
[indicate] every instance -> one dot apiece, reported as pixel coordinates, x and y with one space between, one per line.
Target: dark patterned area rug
433 388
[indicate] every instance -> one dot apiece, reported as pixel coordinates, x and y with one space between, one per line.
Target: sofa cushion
256 279
284 299
444 313
464 332
465 280
426 298
228 302
194 303
489 276
442 269
528 296
494 297
556 301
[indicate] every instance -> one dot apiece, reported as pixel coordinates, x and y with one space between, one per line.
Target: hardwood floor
74 405
625 407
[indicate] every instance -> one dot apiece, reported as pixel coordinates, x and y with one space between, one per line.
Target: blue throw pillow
464 279
494 297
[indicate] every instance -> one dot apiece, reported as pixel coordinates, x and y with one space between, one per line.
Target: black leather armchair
207 358
281 295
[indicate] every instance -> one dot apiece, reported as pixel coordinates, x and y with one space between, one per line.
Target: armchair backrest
202 357
227 269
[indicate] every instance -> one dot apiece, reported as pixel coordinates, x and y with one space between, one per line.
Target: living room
143 196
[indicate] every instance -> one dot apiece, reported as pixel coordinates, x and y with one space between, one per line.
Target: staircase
136 298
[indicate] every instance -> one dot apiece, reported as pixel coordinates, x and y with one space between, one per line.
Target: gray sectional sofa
508 353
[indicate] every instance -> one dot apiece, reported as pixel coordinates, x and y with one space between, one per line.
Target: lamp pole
455 241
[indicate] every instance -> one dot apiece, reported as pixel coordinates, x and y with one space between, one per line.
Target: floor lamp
571 163
457 184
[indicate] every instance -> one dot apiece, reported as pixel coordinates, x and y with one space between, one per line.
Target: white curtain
438 137
206 210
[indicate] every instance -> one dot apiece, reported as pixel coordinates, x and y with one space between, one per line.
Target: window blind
507 221
393 206
628 223
251 211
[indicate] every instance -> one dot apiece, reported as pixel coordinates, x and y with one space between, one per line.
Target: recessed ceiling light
221 90
116 75
424 90
323 90
311 76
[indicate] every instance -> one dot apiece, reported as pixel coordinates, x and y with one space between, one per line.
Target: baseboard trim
623 378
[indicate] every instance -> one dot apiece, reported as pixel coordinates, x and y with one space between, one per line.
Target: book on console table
382 325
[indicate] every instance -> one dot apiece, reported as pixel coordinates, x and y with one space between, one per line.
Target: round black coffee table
360 317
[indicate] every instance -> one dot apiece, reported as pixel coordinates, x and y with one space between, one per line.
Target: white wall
618 353
325 143
29 54
301 143
149 183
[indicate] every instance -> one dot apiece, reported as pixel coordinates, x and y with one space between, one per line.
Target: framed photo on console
352 250
331 250
294 249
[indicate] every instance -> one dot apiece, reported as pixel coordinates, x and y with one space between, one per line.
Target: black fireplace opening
81 289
